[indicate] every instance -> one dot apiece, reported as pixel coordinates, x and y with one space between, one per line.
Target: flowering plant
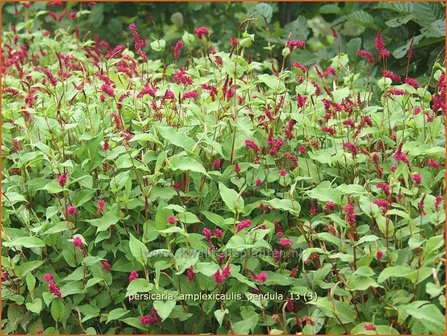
128 173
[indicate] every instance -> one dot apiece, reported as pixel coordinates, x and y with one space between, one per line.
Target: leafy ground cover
128 172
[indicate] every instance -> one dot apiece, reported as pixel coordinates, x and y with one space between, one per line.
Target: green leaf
289 205
57 310
367 239
349 189
237 243
110 218
116 314
35 306
28 266
88 311
134 322
430 316
92 282
364 271
177 137
82 197
231 198
340 94
426 13
138 249
12 198
362 18
352 47
73 287
206 268
262 11
330 9
436 29
272 82
53 187
214 218
278 279
188 217
28 242
173 229
139 286
158 45
342 310
164 308
235 273
220 314
30 281
394 271
185 163
246 326
91 260
324 193
297 28
361 283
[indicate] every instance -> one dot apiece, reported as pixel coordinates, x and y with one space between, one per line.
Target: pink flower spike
62 179
71 210
207 233
400 156
260 278
105 265
77 242
101 204
133 275
397 92
48 277
243 224
366 55
226 272
190 274
438 202
293 44
384 187
286 243
413 82
349 210
169 95
329 206
433 163
54 289
171 220
218 277
369 327
251 144
201 31
178 49
217 164
148 320
237 169
416 177
379 42
218 233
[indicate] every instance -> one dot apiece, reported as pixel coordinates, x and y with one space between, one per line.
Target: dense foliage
188 170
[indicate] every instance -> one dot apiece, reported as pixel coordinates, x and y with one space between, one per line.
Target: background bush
356 25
